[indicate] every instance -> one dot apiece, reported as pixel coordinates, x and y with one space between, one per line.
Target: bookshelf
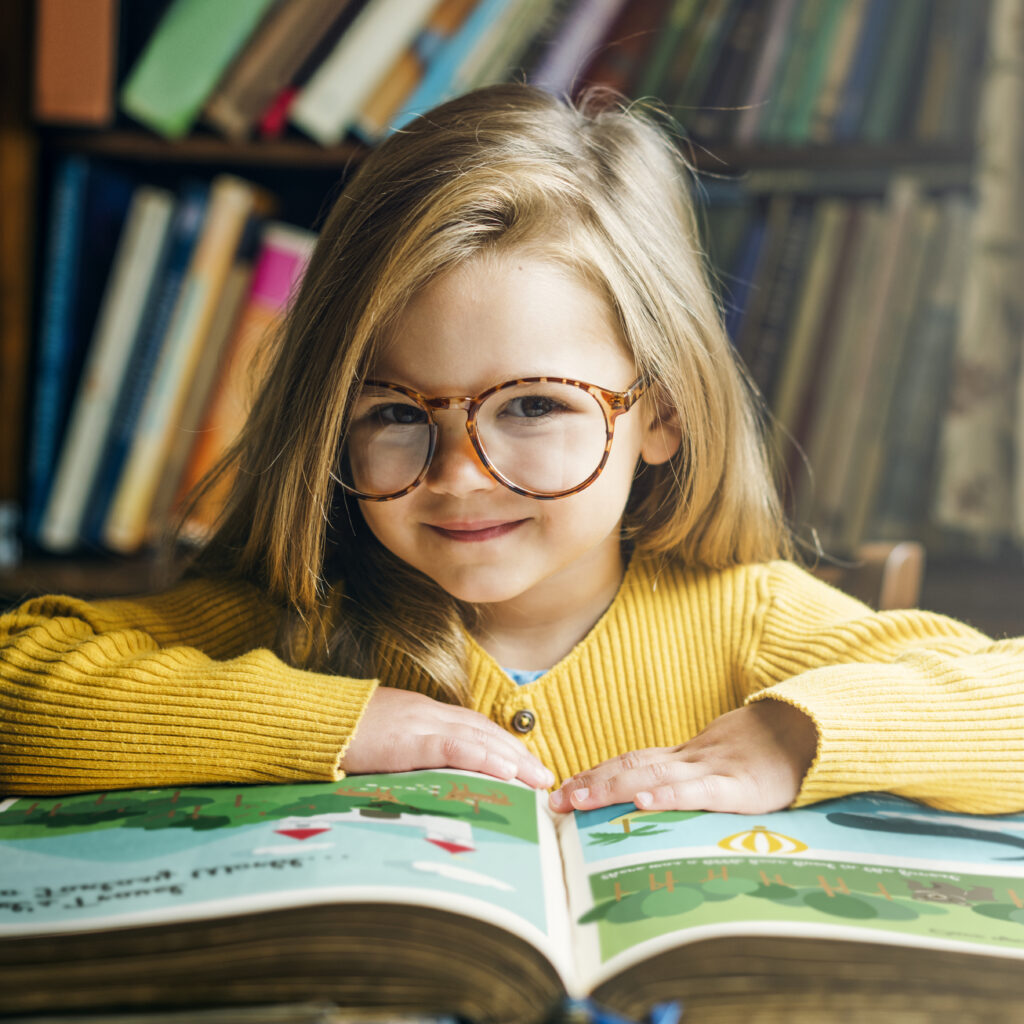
984 589
947 161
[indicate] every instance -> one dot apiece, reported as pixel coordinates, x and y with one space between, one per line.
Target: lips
475 532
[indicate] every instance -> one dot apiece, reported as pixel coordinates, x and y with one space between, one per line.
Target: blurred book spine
184 59
140 254
75 61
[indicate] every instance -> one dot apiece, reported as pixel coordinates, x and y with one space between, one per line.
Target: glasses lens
546 437
387 444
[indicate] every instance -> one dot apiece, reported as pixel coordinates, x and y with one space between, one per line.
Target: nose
456 467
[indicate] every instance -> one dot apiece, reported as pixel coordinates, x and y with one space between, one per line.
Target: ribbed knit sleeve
179 688
909 702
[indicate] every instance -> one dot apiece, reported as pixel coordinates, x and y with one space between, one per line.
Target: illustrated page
875 863
449 839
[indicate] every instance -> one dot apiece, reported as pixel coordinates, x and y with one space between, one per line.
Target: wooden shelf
91 577
944 159
988 595
142 147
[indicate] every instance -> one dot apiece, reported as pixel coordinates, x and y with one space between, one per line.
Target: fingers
706 792
471 749
483 736
664 779
403 731
449 750
662 786
620 779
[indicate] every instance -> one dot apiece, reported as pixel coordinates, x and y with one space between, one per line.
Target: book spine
140 253
798 360
796 128
574 43
896 72
183 60
796 60
185 431
820 424
843 450
700 82
864 475
827 102
730 82
808 378
331 100
18 183
75 61
783 295
960 108
145 349
769 62
779 213
911 436
746 268
858 82
440 75
405 76
268 63
56 341
937 73
623 55
504 46
676 76
280 265
231 203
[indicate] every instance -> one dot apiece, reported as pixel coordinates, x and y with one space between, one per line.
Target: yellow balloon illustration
760 840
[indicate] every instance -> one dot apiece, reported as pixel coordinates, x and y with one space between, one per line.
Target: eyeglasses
543 437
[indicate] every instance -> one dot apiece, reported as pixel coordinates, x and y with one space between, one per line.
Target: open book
450 892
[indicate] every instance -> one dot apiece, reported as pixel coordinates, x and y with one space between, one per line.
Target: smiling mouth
475 532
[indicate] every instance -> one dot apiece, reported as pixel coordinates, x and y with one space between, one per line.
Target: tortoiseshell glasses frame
613 404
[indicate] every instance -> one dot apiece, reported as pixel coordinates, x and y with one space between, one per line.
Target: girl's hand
401 731
748 761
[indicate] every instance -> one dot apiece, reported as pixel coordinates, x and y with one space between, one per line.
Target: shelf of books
178 145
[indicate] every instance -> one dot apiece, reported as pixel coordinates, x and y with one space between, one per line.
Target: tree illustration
611 838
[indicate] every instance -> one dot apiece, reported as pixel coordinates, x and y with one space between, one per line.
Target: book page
452 840
871 867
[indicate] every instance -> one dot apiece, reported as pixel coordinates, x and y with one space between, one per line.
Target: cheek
602 504
622 461
384 521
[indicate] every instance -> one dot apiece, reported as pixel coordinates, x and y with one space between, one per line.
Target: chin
480 589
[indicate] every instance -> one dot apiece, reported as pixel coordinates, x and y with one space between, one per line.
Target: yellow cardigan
181 688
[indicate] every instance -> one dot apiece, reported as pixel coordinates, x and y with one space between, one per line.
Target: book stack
782 72
122 404
327 69
841 303
445 894
803 72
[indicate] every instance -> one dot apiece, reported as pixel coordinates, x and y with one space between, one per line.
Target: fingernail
557 799
581 794
643 799
547 777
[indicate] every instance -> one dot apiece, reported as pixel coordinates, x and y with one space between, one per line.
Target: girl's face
491 320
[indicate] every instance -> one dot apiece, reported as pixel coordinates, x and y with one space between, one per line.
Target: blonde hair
598 188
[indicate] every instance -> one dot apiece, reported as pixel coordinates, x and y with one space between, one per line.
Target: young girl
502 505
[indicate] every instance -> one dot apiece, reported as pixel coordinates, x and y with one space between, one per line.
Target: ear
662 435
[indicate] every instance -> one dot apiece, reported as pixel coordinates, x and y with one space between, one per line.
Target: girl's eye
532 406
398 413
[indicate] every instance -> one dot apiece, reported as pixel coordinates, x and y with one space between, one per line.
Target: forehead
496 318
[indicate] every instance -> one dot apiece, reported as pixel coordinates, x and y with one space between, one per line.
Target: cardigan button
523 721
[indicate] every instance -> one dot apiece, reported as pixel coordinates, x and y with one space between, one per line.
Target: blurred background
859 177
